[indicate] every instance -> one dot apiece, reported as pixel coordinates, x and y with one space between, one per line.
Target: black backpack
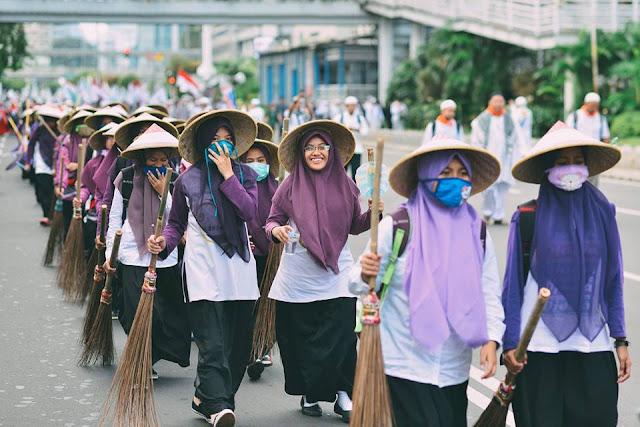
127 187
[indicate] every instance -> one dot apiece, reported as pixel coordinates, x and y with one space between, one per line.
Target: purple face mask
568 177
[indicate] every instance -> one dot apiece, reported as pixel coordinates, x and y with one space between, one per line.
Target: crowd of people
234 194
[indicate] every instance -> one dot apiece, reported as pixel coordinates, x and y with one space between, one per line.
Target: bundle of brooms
98 343
94 268
55 243
496 413
371 399
264 331
73 264
132 386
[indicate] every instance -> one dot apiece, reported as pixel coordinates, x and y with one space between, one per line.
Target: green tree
13 47
248 89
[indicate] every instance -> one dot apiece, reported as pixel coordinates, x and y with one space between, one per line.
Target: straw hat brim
75 120
600 157
157 113
94 121
50 112
244 128
485 167
343 141
134 153
97 138
274 163
129 130
265 132
159 107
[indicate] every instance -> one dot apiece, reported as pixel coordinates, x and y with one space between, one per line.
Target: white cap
447 103
255 102
202 100
351 100
592 97
521 101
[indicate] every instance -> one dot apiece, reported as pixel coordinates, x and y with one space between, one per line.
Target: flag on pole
228 95
186 83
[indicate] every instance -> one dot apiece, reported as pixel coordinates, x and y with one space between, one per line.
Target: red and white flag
186 83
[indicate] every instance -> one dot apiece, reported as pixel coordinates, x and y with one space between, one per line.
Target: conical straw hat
148 110
130 128
343 140
76 119
485 167
153 138
599 156
95 120
97 138
265 132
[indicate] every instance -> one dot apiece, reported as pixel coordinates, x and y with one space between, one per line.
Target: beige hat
265 132
178 123
75 120
94 121
113 129
87 107
145 109
244 128
153 138
599 156
52 111
485 167
123 105
343 140
97 138
196 115
159 107
130 128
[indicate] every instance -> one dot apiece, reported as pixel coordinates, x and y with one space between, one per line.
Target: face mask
231 149
262 169
451 192
156 171
568 177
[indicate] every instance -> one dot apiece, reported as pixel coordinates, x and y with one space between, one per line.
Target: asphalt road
40 383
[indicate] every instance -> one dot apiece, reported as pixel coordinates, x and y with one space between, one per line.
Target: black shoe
310 411
346 415
497 222
255 370
200 411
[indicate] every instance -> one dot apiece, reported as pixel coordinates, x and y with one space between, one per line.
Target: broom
56 233
264 331
496 413
371 400
132 386
98 345
73 264
97 281
96 258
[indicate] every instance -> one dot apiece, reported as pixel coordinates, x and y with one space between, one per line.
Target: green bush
626 124
419 115
544 116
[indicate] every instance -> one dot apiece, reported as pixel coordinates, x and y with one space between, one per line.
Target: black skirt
171 335
318 347
418 404
567 389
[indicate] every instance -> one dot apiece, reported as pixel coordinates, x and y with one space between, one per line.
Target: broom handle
15 129
113 259
61 174
26 120
103 231
160 220
285 132
370 155
375 211
81 153
521 349
41 120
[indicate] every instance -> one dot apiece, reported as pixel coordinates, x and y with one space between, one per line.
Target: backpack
433 128
127 187
527 227
602 119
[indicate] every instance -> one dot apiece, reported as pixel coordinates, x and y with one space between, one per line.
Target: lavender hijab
321 204
444 263
576 253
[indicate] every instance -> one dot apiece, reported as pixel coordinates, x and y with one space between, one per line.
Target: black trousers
44 191
170 334
354 164
567 389
318 347
222 331
425 405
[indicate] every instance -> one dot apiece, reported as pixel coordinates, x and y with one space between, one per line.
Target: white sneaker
224 418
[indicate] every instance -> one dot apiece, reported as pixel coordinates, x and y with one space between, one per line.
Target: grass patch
632 140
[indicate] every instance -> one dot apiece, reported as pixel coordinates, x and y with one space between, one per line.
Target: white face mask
568 177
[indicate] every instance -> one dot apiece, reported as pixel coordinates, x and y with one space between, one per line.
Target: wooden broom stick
15 129
44 123
371 399
77 283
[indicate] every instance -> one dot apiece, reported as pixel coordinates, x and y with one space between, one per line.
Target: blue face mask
451 192
262 169
231 149
156 171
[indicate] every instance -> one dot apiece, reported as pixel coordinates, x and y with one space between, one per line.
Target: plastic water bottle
294 237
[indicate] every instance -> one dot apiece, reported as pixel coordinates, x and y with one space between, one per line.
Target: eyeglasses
312 149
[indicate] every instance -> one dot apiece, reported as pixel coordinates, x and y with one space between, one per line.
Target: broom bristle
494 416
73 265
371 400
264 332
81 293
52 208
132 386
55 244
99 346
93 303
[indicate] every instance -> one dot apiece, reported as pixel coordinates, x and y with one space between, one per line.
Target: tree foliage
13 47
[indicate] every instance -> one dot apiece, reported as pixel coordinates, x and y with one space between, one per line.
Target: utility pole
594 47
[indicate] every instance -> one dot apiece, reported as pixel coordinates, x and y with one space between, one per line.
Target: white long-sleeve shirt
128 252
404 356
358 125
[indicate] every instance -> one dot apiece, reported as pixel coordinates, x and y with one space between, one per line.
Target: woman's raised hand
222 160
156 183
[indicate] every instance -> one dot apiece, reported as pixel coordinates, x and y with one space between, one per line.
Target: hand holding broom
371 400
496 413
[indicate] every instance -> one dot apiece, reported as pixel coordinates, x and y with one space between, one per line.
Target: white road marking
633 212
631 276
482 401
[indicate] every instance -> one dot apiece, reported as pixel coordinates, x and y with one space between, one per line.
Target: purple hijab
266 189
576 254
321 204
101 177
444 264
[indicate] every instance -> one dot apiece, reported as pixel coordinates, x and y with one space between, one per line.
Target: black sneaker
310 411
346 415
201 411
255 370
